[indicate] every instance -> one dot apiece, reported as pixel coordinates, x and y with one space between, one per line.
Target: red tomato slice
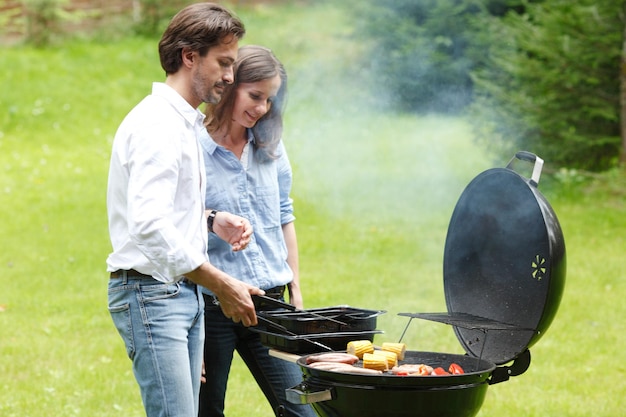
440 371
455 369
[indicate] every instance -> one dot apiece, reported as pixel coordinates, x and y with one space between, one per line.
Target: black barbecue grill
504 275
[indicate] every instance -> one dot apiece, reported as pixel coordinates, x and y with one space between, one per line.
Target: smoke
349 157
350 154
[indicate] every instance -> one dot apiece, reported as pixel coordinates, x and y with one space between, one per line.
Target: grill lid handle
529 157
300 394
518 367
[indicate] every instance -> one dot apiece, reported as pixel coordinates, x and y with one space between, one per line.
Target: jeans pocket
158 292
122 320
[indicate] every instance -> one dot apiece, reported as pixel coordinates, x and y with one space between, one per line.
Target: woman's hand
235 230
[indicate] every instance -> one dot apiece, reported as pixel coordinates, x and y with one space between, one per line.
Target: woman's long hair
254 63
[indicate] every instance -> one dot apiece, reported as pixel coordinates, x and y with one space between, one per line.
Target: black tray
312 343
324 320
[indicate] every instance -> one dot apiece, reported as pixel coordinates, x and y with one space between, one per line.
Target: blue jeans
272 375
162 328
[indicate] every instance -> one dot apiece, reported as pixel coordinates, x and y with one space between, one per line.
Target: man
157 220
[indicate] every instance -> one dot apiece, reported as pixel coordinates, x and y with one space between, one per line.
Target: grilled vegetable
440 371
412 369
398 348
373 361
455 369
390 357
423 370
359 347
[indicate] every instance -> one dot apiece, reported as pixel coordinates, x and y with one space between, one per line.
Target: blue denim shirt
261 195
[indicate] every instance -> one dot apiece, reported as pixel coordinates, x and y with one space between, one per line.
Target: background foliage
46 22
537 75
421 55
552 82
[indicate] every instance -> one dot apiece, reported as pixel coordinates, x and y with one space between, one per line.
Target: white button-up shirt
156 190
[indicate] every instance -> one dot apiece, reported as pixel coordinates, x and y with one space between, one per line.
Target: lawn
373 192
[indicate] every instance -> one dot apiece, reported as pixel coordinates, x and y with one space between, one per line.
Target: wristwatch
210 219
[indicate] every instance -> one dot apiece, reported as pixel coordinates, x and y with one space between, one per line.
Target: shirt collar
209 144
251 138
193 116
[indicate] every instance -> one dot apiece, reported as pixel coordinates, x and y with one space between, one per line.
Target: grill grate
466 321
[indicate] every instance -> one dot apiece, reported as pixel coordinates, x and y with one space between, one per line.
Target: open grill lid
504 264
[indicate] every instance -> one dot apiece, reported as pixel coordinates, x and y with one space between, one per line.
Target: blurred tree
418 59
423 51
552 83
541 75
622 78
152 16
43 19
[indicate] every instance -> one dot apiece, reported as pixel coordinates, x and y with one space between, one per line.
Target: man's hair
197 27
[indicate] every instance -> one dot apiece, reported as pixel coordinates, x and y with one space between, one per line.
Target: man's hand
234 295
236 301
233 229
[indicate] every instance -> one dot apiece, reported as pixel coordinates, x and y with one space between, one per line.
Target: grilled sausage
343 367
329 366
338 357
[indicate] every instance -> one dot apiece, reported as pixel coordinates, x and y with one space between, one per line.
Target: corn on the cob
373 361
359 347
398 348
390 357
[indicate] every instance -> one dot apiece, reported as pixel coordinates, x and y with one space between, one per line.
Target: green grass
374 194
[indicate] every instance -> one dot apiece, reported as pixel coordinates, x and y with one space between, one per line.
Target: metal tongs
277 303
257 299
290 333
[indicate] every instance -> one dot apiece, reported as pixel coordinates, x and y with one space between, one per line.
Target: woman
248 174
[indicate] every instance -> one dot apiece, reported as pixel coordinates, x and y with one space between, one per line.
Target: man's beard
206 95
211 97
